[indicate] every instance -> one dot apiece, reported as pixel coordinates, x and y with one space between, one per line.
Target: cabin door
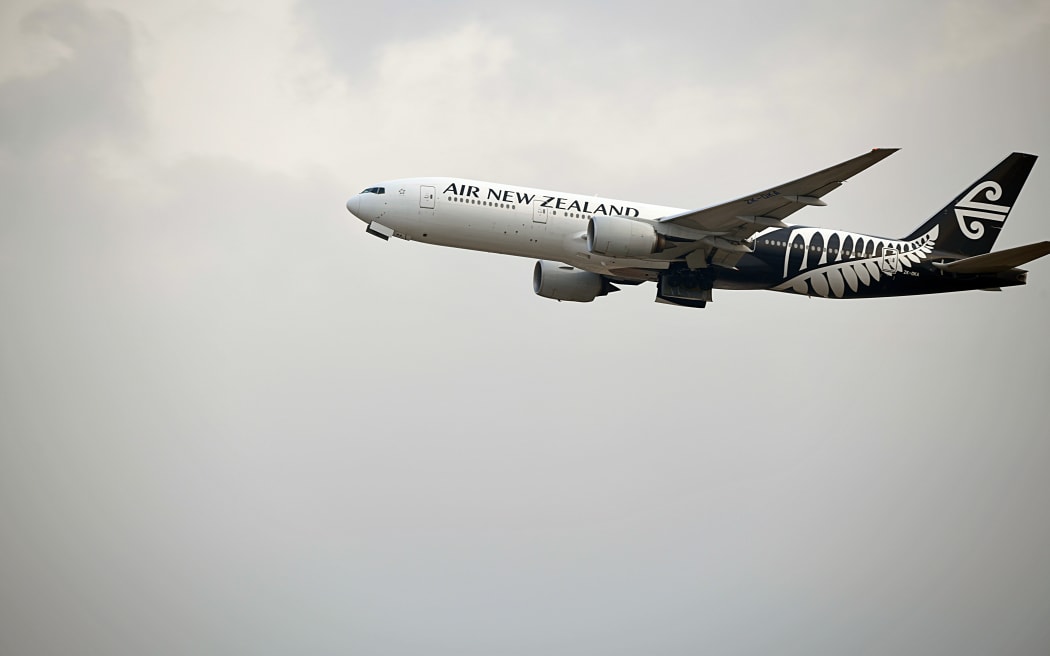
426 197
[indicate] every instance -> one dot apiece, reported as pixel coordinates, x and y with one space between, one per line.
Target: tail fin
970 224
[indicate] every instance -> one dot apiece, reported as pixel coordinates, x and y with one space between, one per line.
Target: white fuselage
498 218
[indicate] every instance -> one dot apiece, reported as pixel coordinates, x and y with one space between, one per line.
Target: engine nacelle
565 283
616 236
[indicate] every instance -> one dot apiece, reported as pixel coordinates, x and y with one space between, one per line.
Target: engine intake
617 236
565 283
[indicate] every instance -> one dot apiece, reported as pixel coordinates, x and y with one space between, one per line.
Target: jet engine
565 283
616 236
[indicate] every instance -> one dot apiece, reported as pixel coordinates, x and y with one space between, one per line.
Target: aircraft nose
354 205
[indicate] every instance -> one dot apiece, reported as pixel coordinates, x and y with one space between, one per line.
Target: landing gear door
426 197
890 261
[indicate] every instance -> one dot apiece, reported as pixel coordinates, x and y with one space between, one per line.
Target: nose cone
354 205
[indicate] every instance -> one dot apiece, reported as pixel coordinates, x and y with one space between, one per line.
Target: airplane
587 246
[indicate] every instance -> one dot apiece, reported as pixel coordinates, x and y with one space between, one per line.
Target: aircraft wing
738 219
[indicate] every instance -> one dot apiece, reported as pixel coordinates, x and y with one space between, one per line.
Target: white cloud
234 81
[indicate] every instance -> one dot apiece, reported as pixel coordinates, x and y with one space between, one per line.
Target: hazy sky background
232 422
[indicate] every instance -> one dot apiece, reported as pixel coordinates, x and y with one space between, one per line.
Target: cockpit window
374 190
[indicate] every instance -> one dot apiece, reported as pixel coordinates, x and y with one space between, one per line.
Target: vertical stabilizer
970 224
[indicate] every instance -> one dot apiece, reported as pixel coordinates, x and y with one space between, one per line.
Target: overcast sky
233 422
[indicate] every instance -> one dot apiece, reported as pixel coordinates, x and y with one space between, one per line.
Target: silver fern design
849 261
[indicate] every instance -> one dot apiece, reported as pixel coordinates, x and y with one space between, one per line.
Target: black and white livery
587 245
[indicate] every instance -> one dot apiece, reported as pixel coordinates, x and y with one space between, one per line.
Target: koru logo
969 208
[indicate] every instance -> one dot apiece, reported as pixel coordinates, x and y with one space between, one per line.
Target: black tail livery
971 223
949 252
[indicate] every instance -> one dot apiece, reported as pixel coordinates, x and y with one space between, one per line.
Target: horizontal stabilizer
1011 258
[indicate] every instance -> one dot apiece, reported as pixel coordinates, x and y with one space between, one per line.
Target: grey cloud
230 421
92 93
636 47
